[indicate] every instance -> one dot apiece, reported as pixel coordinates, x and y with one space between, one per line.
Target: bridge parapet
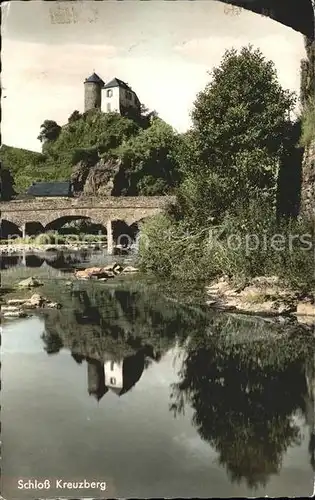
86 202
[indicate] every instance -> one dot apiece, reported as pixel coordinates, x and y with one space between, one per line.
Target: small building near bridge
50 189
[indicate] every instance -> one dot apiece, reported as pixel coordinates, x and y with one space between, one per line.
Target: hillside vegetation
145 149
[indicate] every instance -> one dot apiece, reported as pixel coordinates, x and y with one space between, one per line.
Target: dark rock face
101 178
308 183
79 175
98 179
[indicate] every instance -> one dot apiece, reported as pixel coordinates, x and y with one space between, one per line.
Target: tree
49 131
242 108
240 131
149 160
76 115
6 185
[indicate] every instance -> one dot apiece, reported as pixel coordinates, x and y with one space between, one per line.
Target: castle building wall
92 96
114 98
113 374
110 100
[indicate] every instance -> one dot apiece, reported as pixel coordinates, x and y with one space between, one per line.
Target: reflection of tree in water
7 261
244 396
310 405
65 261
96 319
243 392
126 329
53 342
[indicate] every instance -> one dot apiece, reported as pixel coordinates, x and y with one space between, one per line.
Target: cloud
285 49
51 64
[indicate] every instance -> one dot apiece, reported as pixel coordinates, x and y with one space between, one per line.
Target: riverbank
264 296
20 248
37 249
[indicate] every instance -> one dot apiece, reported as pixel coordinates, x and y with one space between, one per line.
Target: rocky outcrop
96 180
79 175
29 283
262 296
101 178
308 182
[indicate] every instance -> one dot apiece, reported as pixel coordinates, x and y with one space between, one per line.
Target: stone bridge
52 213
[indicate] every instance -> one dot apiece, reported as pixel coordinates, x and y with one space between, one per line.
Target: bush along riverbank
230 232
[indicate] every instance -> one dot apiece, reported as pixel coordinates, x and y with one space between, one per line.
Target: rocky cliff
99 179
308 182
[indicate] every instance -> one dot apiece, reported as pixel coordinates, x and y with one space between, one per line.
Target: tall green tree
241 128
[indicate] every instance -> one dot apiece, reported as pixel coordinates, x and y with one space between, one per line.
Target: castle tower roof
115 82
94 78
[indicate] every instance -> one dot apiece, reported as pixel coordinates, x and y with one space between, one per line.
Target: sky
163 49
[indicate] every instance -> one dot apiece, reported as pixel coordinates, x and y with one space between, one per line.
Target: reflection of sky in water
23 336
133 441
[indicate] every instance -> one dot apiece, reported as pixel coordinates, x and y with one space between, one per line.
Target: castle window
112 364
109 93
108 107
112 381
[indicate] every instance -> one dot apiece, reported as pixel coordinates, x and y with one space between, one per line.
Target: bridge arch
9 229
57 223
33 228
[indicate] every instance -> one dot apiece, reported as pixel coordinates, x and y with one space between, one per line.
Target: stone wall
100 210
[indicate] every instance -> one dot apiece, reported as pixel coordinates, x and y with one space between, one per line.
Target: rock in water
16 302
13 313
5 309
130 269
99 272
114 267
36 301
29 283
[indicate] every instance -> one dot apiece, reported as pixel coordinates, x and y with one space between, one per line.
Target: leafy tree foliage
240 131
76 115
49 131
6 185
25 166
149 160
144 146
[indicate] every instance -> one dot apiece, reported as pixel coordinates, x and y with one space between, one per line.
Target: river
154 397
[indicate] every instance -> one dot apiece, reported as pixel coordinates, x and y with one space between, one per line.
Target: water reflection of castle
116 376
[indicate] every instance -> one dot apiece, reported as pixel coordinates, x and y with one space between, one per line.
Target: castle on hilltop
113 97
